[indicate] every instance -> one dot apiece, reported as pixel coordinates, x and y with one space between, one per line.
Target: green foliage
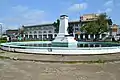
3 57
3 41
97 26
56 25
3 38
70 30
90 28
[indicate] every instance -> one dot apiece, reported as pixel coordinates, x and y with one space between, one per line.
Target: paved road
25 70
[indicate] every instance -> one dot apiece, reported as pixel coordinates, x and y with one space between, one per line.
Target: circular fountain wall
46 47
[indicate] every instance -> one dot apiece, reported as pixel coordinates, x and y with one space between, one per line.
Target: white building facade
47 31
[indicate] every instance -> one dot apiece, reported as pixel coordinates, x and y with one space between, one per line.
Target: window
44 32
71 25
76 24
31 28
28 28
40 32
35 32
76 28
50 31
30 32
38 28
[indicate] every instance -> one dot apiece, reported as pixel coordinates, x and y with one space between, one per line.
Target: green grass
3 57
2 52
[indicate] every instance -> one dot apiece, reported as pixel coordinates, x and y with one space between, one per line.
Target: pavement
40 70
61 58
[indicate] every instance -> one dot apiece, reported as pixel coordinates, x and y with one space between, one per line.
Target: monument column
53 35
83 36
37 34
100 36
63 37
47 34
89 36
78 36
28 35
94 36
42 35
32 34
63 25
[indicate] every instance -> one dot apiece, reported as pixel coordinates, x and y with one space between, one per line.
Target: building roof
50 24
40 25
12 30
70 22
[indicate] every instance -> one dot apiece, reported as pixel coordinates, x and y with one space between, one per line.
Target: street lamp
1 30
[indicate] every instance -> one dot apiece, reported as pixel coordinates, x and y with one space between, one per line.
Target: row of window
76 25
41 32
36 28
40 28
76 29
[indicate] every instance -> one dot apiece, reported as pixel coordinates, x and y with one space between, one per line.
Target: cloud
23 15
108 10
109 3
99 11
26 15
78 7
20 8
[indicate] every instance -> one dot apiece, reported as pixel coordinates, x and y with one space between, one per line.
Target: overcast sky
14 13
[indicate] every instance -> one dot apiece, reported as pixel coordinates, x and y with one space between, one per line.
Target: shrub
4 38
3 41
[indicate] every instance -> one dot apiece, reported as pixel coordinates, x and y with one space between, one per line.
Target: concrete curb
52 61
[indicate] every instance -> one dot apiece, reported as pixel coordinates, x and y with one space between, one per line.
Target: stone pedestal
63 39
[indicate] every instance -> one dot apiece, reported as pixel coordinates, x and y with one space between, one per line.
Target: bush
3 41
4 38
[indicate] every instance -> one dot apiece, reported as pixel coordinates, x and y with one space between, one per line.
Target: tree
98 26
21 31
90 28
56 25
70 30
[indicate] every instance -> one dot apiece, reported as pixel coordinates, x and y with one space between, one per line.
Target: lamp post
1 30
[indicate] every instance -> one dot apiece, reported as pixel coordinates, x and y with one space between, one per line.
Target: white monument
63 38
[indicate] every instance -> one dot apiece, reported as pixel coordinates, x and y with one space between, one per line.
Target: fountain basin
46 47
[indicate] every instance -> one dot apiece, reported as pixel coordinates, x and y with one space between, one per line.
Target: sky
15 13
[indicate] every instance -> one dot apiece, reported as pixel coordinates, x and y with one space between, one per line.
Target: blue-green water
80 44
